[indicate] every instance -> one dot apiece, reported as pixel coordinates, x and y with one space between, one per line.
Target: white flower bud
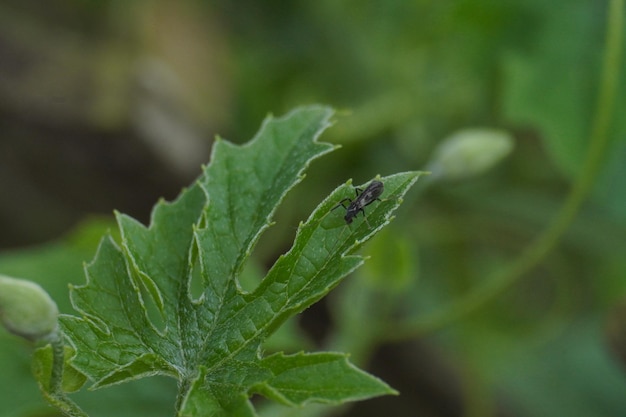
26 309
469 152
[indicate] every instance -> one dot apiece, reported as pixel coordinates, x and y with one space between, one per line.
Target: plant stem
55 395
542 245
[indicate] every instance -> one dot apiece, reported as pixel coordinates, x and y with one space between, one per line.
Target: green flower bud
26 309
469 152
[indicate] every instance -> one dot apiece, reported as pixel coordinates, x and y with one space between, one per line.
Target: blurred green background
112 104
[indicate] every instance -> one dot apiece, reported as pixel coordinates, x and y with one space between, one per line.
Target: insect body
363 198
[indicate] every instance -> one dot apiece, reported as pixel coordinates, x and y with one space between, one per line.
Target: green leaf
323 377
138 318
42 369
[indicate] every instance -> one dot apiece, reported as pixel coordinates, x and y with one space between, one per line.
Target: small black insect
363 198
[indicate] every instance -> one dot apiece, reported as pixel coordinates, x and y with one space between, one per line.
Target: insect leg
342 203
365 217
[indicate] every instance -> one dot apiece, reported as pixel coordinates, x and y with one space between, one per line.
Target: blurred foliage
166 76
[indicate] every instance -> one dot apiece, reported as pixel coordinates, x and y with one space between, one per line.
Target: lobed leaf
138 318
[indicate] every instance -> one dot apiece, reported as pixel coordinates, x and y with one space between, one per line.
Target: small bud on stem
469 152
26 309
